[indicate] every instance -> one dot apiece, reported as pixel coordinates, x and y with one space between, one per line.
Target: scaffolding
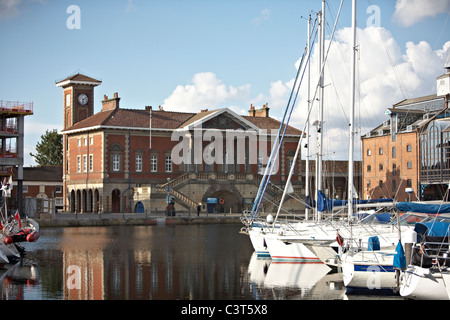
12 115
16 107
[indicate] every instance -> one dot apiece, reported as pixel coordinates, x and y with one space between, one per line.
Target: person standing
199 207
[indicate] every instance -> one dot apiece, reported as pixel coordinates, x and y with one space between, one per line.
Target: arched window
116 157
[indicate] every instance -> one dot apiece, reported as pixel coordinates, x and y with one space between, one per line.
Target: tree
49 149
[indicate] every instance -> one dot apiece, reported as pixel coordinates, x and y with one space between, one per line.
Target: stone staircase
178 196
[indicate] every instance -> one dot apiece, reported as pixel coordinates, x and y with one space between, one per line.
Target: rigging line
270 164
394 68
277 145
318 85
290 113
442 30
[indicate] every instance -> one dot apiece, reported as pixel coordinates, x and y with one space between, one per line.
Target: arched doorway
139 207
226 201
72 201
97 201
115 199
90 202
78 202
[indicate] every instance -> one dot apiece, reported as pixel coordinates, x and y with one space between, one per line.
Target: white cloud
263 16
131 7
385 76
409 12
9 8
206 91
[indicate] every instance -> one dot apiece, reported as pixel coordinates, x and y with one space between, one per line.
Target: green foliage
49 149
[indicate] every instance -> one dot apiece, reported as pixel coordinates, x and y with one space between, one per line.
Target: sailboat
427 276
315 240
14 229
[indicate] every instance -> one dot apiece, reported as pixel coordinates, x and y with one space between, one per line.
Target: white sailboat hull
446 278
257 238
293 252
369 270
423 284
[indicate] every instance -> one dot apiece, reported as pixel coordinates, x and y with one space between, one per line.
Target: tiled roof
415 100
78 78
271 123
135 118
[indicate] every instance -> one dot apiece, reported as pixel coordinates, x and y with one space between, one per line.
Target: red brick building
407 157
115 156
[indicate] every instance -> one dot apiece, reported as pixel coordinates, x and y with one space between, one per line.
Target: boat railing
429 254
369 250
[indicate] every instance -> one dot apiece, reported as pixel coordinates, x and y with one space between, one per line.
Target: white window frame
91 162
168 163
84 163
78 163
138 163
116 162
154 163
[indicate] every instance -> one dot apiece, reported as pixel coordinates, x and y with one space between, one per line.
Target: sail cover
423 207
434 229
325 204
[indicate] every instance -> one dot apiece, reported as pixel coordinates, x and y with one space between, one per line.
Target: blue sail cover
433 229
325 204
423 207
399 257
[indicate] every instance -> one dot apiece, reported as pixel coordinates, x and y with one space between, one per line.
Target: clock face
83 99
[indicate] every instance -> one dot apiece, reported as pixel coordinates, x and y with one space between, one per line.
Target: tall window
78 164
91 162
154 163
84 163
116 162
394 152
116 157
168 164
138 163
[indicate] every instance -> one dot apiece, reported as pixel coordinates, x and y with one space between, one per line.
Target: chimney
262 113
110 104
251 112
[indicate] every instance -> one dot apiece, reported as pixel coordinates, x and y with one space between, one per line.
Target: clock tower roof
78 78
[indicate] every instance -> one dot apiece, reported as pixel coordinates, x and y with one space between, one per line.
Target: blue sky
195 54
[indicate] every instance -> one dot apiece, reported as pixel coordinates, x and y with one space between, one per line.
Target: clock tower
78 98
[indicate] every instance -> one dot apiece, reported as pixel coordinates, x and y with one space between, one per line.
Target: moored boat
424 277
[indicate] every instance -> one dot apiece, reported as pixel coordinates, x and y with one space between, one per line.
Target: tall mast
352 115
321 98
307 120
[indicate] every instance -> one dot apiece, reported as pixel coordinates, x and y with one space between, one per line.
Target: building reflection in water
127 263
